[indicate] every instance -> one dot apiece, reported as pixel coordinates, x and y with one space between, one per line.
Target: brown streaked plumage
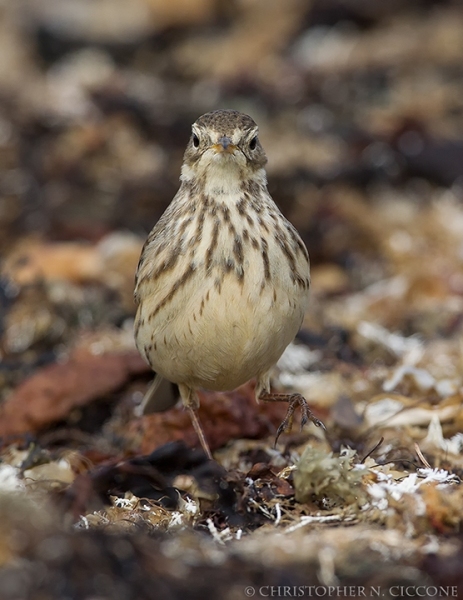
223 279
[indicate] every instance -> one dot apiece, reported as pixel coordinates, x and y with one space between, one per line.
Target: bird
223 279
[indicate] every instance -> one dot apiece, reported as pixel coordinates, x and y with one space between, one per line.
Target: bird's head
224 143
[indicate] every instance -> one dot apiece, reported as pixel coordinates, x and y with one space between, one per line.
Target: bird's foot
294 400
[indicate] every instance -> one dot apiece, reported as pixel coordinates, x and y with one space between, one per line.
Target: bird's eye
195 140
253 143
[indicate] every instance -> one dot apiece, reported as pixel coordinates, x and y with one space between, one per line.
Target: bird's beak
224 145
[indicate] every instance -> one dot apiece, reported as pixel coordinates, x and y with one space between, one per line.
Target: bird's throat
223 178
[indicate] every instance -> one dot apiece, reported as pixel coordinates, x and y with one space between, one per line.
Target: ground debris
318 474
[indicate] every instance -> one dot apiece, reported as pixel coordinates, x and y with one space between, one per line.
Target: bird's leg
191 403
293 400
200 432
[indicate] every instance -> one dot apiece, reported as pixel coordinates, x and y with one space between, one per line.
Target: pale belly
220 337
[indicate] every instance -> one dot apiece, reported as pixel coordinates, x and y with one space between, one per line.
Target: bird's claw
307 415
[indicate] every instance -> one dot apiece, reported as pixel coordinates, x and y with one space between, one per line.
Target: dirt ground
360 109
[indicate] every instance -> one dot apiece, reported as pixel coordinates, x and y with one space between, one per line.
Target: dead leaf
224 417
52 392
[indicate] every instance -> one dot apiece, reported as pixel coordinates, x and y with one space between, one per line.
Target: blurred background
98 96
360 107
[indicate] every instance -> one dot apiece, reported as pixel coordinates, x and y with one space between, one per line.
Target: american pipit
223 279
